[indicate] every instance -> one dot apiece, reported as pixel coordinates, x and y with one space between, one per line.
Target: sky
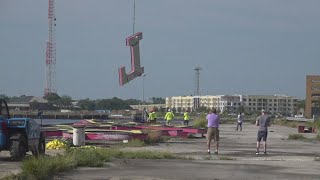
243 47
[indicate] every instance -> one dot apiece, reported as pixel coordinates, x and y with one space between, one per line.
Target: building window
244 99
249 104
254 104
249 100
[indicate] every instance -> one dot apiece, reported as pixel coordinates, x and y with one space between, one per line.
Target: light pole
143 88
144 114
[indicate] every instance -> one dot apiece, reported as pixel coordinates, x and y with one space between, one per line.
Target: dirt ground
286 159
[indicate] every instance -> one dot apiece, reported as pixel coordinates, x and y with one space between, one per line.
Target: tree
117 104
52 97
34 105
241 110
87 104
65 102
202 109
301 104
157 100
179 109
132 101
5 97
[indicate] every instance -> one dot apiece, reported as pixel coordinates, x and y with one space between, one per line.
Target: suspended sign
136 69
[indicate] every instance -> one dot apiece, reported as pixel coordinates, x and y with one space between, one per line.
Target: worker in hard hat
152 117
186 118
168 117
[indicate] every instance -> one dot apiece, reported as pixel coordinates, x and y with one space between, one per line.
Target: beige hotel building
275 104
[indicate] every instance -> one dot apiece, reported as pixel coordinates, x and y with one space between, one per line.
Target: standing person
213 129
152 116
145 115
186 118
168 117
239 121
263 122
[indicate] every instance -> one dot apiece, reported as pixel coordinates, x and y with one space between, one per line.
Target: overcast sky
244 47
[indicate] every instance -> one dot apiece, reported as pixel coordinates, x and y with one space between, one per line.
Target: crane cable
134 16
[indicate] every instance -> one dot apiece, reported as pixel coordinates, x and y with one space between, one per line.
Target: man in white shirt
239 121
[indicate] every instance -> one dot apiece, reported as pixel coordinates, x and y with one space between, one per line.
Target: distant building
25 103
148 107
275 104
312 96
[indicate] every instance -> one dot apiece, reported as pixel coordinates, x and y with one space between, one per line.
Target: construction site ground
286 159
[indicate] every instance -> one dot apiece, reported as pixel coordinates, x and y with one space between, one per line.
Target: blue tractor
19 135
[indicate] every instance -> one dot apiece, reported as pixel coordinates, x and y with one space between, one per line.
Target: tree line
66 102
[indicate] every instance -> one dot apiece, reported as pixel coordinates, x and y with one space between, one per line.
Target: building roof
27 100
39 99
21 100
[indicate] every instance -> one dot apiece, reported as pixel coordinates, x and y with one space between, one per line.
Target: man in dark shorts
263 122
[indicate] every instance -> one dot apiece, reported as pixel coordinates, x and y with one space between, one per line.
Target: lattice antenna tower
51 51
197 81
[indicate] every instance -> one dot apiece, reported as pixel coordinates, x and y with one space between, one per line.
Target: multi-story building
231 103
274 104
312 96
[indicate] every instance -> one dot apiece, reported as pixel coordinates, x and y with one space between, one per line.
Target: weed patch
45 167
200 123
135 143
226 158
154 136
286 123
296 137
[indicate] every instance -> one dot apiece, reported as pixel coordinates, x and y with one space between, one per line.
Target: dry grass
296 137
286 123
154 136
226 158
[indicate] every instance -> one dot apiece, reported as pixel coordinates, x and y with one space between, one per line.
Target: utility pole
197 81
51 51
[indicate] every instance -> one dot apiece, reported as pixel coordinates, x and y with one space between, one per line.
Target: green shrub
87 157
296 137
43 167
200 123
